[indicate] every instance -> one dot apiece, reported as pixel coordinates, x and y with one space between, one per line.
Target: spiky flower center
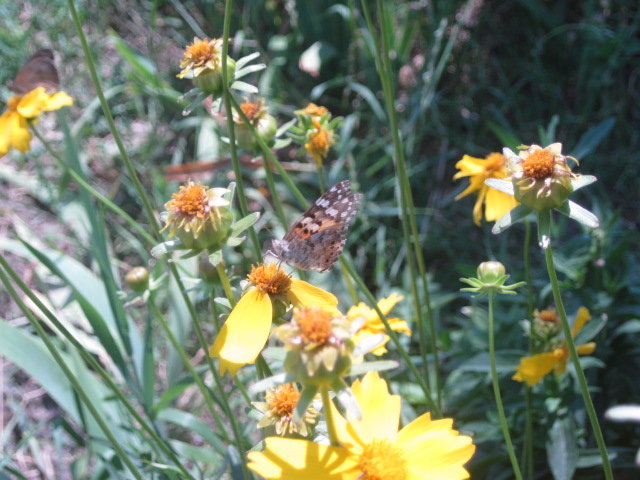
548 316
315 325
381 460
253 111
270 279
314 110
494 164
282 400
201 51
539 164
190 201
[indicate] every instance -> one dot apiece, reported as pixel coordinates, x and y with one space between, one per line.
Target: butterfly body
317 238
38 71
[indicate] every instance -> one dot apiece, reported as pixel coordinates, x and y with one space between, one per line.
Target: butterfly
316 239
38 71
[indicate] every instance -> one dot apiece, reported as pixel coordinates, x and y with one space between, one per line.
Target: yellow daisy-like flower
496 203
371 448
278 409
200 216
319 141
533 369
313 110
201 56
368 322
246 331
21 110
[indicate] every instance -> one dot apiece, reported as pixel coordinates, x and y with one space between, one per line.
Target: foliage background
472 76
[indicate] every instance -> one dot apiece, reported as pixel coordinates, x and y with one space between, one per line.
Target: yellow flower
532 369
368 322
199 216
278 410
371 448
313 110
21 110
319 141
496 203
201 56
246 331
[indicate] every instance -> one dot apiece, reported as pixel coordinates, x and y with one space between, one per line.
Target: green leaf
562 449
244 223
590 329
507 138
590 139
189 422
579 214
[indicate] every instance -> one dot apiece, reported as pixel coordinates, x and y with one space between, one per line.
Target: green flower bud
210 81
138 279
490 272
265 125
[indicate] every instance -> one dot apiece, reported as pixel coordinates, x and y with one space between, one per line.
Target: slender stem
496 392
206 393
90 359
435 408
528 426
320 173
328 415
98 196
86 400
582 381
226 285
275 198
408 221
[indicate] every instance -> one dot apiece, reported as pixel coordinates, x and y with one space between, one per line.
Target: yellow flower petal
289 459
469 166
305 294
32 103
58 100
497 204
380 410
14 132
475 183
532 369
586 349
244 334
386 304
582 317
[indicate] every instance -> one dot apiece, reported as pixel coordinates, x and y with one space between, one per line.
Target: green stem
496 392
275 198
528 426
98 196
408 219
435 408
206 393
86 400
226 285
328 415
582 381
320 173
90 359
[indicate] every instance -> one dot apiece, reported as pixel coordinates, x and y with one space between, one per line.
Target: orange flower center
284 400
252 110
315 325
382 460
191 201
201 51
549 316
494 163
315 110
270 279
539 164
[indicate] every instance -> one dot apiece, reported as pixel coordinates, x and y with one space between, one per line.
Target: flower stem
91 360
496 392
408 219
528 426
328 415
77 387
582 381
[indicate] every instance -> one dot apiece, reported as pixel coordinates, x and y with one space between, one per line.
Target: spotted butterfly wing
316 239
38 71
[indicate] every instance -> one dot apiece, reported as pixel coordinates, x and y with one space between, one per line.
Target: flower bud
210 81
199 216
318 344
202 61
138 279
265 125
490 272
